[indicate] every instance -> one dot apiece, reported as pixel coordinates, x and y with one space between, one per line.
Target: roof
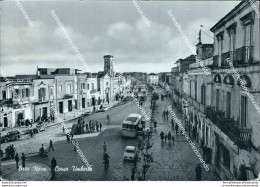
226 17
191 57
106 56
207 45
152 74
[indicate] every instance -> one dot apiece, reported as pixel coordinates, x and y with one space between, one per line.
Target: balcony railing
196 104
215 60
244 55
240 136
224 57
93 91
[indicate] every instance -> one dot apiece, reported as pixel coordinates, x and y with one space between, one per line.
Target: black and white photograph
130 90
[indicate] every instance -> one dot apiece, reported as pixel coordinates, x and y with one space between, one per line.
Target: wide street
171 161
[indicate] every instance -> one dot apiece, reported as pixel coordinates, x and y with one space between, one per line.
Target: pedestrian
75 145
97 126
100 126
155 124
23 160
162 135
31 133
198 172
51 146
53 165
164 114
176 128
165 137
86 127
68 139
172 123
17 160
93 126
172 139
167 114
105 147
169 136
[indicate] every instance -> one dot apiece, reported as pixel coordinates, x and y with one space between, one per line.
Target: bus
131 125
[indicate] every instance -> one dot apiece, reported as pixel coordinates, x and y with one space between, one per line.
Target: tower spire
200 34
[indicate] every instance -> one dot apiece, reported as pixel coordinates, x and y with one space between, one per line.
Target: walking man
97 126
167 114
23 160
155 124
68 139
105 147
17 160
51 146
53 165
198 172
100 126
176 128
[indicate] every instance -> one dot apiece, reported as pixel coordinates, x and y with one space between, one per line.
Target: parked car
41 127
12 135
28 131
129 153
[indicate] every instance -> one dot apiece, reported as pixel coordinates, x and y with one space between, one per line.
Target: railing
240 136
244 55
224 58
215 60
196 104
93 91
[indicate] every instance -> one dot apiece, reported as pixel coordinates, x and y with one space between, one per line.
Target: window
243 111
27 92
51 91
82 85
203 94
60 88
190 88
69 89
69 105
4 95
226 158
92 86
42 94
228 105
217 99
23 93
195 91
248 35
88 86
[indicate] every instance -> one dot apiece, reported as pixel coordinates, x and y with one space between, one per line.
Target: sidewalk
65 117
34 172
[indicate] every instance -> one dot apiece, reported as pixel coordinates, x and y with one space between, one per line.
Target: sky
99 28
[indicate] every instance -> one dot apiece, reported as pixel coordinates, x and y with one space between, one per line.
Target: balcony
224 58
244 56
196 104
93 91
240 136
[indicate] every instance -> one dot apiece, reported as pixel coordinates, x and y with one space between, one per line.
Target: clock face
107 89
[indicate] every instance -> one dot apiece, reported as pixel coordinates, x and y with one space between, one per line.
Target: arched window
228 79
217 79
246 80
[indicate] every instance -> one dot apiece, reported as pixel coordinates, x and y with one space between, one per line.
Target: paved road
171 162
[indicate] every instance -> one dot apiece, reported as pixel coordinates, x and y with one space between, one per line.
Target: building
218 112
153 79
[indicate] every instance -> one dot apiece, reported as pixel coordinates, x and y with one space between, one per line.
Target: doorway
61 107
44 112
5 121
217 154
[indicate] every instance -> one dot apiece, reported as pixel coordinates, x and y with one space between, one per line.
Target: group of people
10 151
86 127
165 114
166 136
16 158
